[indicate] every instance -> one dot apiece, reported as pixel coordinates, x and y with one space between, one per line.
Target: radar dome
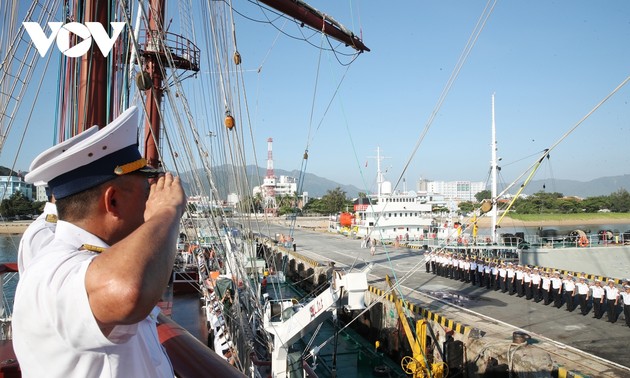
386 187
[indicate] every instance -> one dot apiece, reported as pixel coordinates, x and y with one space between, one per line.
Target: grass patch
584 217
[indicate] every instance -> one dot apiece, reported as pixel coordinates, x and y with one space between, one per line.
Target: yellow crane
417 365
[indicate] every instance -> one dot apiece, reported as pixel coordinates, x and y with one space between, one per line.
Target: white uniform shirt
626 297
510 273
569 285
536 279
582 287
54 331
556 283
598 291
38 235
612 293
546 283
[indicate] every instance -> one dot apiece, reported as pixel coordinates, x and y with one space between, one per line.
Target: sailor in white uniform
42 230
612 300
583 291
85 305
625 295
598 298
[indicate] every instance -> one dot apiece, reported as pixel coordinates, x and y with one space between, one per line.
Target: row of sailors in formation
536 284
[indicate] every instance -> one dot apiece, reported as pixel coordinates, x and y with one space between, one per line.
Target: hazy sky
549 63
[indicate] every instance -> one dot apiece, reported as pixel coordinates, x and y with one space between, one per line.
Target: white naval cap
97 158
57 150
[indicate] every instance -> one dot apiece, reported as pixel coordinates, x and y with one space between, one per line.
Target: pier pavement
591 345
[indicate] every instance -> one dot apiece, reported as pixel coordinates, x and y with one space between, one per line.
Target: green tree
567 205
335 201
314 206
620 201
17 204
38 207
539 202
594 204
484 194
466 207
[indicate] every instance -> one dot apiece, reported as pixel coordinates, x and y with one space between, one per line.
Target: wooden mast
92 97
154 94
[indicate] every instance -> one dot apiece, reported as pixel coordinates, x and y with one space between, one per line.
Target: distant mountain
316 186
598 187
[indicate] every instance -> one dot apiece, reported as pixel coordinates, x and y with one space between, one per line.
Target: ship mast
92 104
379 174
493 177
154 94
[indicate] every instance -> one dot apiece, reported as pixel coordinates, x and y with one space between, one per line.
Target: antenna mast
494 169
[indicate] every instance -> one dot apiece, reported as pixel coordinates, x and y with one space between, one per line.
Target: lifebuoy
583 242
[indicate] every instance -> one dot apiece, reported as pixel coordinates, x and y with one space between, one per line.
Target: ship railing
185 54
572 241
8 279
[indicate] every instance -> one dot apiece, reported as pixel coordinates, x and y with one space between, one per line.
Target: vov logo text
61 33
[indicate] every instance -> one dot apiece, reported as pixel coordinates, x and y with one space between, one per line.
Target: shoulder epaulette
51 218
91 248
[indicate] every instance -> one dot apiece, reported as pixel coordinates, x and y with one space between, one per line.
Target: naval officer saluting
85 306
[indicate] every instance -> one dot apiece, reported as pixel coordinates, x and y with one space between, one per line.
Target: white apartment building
10 185
457 191
281 186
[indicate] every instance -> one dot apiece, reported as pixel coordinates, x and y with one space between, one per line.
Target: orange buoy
229 121
583 242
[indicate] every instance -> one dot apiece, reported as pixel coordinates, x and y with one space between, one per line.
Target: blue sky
548 64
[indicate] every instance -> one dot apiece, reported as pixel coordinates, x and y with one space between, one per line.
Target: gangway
289 321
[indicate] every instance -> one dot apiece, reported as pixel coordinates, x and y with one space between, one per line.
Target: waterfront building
457 191
9 185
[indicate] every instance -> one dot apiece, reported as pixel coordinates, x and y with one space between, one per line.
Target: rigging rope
565 135
481 22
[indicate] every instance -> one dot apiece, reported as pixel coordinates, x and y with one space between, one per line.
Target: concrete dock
581 345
